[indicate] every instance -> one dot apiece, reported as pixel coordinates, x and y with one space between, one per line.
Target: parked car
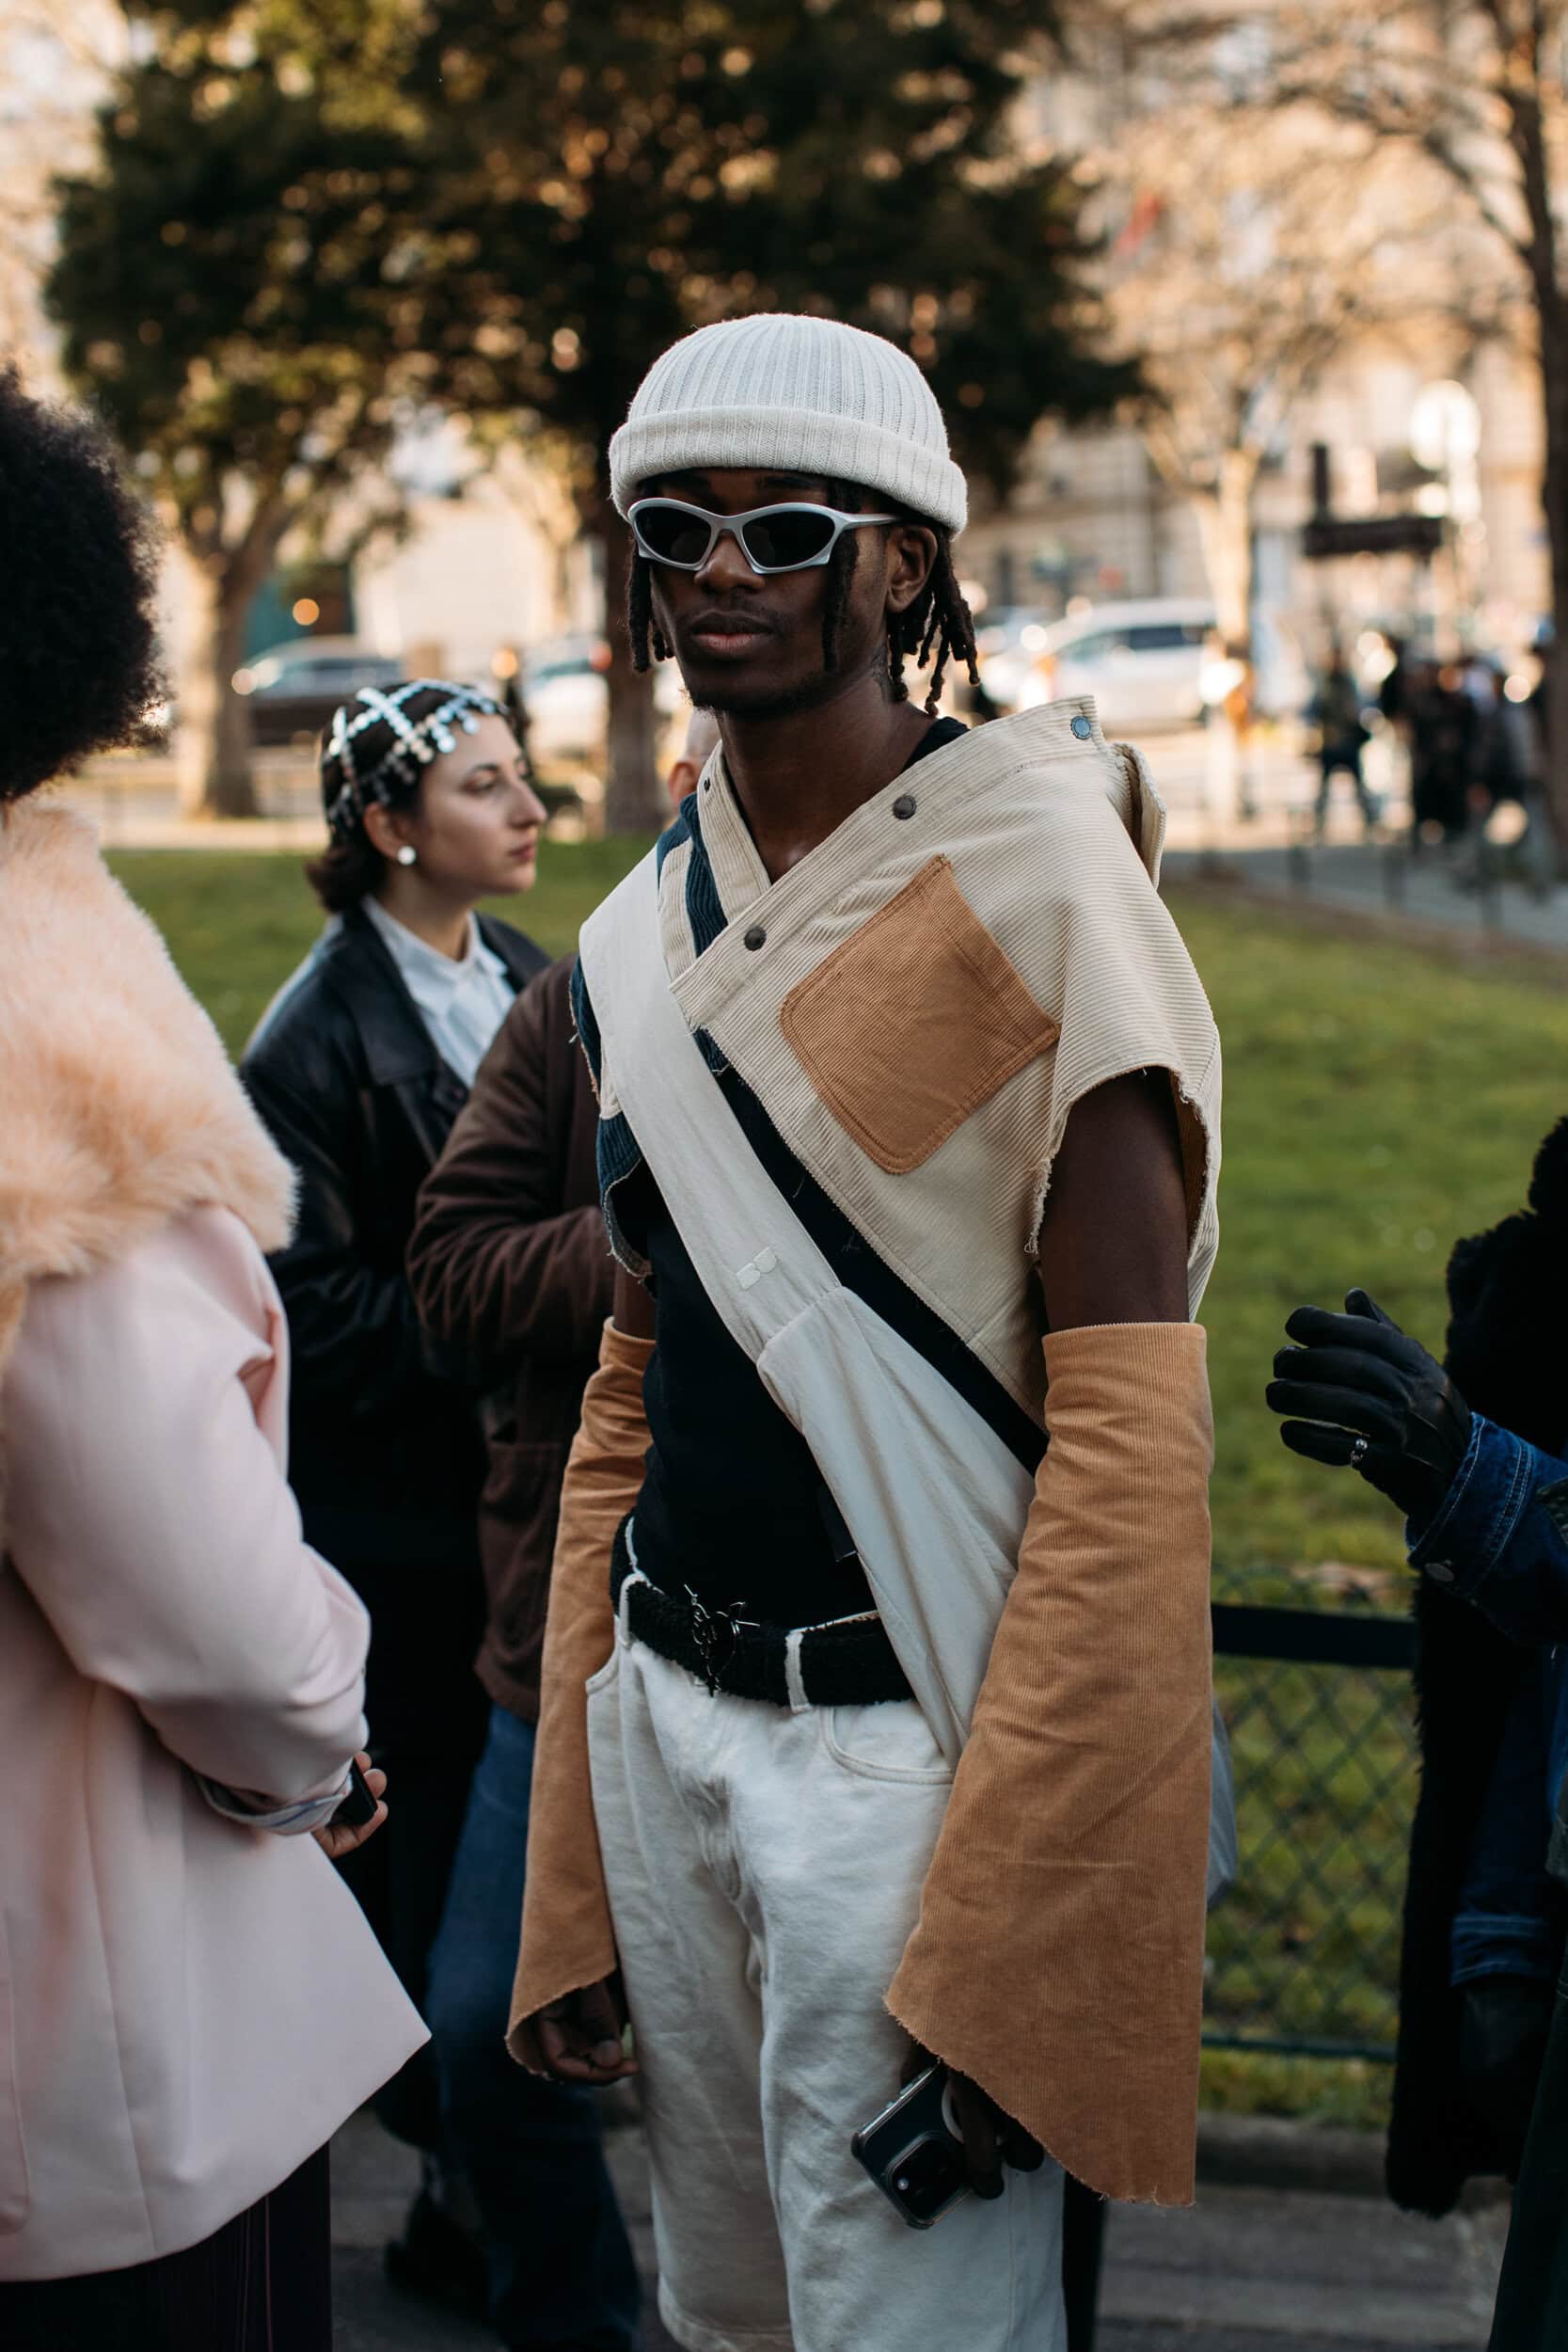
567 700
1143 662
293 689
1007 640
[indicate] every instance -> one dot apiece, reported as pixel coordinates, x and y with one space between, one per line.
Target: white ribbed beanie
798 395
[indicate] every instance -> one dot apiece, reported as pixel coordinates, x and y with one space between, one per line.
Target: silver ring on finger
1359 1451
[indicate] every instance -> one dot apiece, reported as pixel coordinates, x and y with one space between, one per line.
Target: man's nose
726 565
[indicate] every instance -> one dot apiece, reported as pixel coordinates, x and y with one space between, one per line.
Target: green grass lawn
239 924
1379 1101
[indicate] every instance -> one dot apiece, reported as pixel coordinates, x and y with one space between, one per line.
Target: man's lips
725 634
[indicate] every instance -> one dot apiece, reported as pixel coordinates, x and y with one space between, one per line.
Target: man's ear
911 554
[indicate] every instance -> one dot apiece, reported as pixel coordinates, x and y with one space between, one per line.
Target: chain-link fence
1304 1953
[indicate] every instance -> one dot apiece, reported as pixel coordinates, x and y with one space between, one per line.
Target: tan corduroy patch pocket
913 1022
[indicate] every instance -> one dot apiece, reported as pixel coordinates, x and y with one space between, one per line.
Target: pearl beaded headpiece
348 787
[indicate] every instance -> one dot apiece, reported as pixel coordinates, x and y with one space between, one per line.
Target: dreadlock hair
939 620
642 627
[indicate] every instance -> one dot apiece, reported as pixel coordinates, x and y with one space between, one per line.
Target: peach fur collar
119 1108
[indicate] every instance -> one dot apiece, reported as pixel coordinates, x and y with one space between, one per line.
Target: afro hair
78 555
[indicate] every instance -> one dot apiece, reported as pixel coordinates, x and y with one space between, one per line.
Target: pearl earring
408 855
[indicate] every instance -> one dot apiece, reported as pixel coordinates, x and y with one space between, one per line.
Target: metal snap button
1083 728
905 806
1439 1572
756 936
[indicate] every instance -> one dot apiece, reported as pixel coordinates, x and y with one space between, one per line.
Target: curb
1471 941
1273 2152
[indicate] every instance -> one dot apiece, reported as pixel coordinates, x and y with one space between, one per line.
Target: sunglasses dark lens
673 537
783 538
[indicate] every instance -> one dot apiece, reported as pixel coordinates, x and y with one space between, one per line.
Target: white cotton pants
765 1866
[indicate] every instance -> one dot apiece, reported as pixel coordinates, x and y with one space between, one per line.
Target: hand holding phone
360 1813
942 2136
913 2153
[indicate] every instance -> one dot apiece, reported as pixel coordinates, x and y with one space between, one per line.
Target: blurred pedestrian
1482 2083
359 1068
510 1268
190 2004
1507 756
1510 776
1393 686
1335 711
822 1019
702 740
1444 723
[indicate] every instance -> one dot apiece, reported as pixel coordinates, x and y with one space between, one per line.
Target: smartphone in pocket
913 2153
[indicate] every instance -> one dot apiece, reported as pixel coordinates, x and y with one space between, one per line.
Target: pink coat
189 2005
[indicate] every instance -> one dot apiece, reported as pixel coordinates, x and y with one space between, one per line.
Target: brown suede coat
511 1271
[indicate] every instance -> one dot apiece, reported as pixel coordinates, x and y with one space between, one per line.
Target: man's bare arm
1114 1239
634 1313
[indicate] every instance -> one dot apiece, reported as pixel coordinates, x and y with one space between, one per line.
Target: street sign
1373 534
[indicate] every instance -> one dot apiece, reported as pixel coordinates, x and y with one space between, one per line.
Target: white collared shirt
462 1003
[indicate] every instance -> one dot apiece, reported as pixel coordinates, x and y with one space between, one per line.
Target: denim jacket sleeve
1501 1537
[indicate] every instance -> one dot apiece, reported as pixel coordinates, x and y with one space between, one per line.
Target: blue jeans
561 2266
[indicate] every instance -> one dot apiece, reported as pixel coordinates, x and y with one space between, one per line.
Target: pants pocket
607 1673
888 1740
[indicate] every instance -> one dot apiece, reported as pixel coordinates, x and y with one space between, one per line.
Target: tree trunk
1523 94
1553 495
214 758
634 794
1224 528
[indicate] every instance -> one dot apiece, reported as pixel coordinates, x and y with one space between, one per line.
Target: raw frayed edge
1161 2204
1186 1097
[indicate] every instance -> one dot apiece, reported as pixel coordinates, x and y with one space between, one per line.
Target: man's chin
760 698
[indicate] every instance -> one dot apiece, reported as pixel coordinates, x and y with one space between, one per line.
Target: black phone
913 2153
359 1806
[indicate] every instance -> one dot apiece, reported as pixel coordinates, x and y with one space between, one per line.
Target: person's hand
1368 1396
338 1838
581 2035
990 2139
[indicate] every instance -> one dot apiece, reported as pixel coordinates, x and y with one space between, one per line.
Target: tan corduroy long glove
567 1940
1058 1957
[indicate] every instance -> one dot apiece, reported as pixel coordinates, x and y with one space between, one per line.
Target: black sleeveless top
733 1506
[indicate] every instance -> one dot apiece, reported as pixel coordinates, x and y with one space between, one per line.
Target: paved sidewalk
1380 882
1248 2270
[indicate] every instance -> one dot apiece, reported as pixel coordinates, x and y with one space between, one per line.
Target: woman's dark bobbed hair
79 567
346 873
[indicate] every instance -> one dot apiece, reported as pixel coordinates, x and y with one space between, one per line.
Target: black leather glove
1366 1395
1503 2028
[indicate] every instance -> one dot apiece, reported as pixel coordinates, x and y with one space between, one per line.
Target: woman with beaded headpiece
358 1067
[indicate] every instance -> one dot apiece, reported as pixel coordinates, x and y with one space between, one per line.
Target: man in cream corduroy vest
876 1720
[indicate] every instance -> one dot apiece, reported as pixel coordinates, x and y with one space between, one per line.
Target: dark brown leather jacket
511 1272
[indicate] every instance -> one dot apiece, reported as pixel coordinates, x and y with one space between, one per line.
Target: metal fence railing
1304 1953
